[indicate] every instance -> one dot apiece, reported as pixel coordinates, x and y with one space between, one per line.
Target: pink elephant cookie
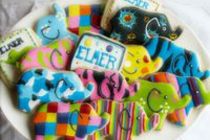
54 56
108 84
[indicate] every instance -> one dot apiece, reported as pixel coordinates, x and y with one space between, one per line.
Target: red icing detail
74 30
85 108
146 59
96 21
52 107
128 18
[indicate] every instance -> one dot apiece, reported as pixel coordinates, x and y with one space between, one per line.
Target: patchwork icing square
98 52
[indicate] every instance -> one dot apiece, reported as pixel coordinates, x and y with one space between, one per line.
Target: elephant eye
191 66
164 28
49 21
165 97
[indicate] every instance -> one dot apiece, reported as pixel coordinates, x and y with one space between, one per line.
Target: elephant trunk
182 103
175 34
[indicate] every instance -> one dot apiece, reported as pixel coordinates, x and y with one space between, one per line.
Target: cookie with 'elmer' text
113 6
95 51
12 48
43 86
132 25
68 121
82 18
54 56
138 63
127 119
176 59
53 27
184 85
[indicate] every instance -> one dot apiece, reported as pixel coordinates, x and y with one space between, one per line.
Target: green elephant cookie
159 98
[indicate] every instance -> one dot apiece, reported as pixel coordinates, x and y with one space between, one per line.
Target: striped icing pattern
127 120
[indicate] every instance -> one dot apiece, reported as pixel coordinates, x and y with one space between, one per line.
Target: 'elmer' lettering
99 58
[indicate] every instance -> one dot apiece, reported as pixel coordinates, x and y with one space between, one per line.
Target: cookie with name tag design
53 27
127 119
184 85
176 60
132 25
12 48
95 51
43 86
161 98
55 56
113 6
68 121
108 84
138 63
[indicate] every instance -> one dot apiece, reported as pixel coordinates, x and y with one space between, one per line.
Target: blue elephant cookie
132 25
53 27
42 86
177 60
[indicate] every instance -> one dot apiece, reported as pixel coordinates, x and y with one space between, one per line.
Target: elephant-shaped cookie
127 119
84 17
176 60
159 98
55 56
108 84
138 63
184 86
53 27
42 86
71 122
132 25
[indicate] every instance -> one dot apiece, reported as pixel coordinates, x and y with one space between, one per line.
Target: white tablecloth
196 13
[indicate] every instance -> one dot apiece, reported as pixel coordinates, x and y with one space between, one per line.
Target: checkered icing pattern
81 18
62 119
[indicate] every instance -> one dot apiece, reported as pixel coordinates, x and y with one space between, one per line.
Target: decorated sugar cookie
113 6
108 84
54 56
139 64
72 122
95 51
82 18
12 48
176 60
159 98
127 119
42 86
184 86
53 27
132 25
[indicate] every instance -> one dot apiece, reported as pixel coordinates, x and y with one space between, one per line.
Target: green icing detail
40 58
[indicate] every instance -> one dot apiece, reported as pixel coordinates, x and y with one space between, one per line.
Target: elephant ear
59 12
152 27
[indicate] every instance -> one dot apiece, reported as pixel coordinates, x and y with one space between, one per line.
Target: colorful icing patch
108 84
55 56
160 98
136 26
127 119
113 6
98 52
82 18
42 86
138 63
12 48
176 60
53 27
72 122
184 86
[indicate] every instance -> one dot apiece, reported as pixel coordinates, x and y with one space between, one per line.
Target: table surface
195 13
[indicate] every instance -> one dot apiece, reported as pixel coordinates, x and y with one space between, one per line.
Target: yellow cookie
138 63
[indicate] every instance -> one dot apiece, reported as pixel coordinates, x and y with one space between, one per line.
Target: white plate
22 121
